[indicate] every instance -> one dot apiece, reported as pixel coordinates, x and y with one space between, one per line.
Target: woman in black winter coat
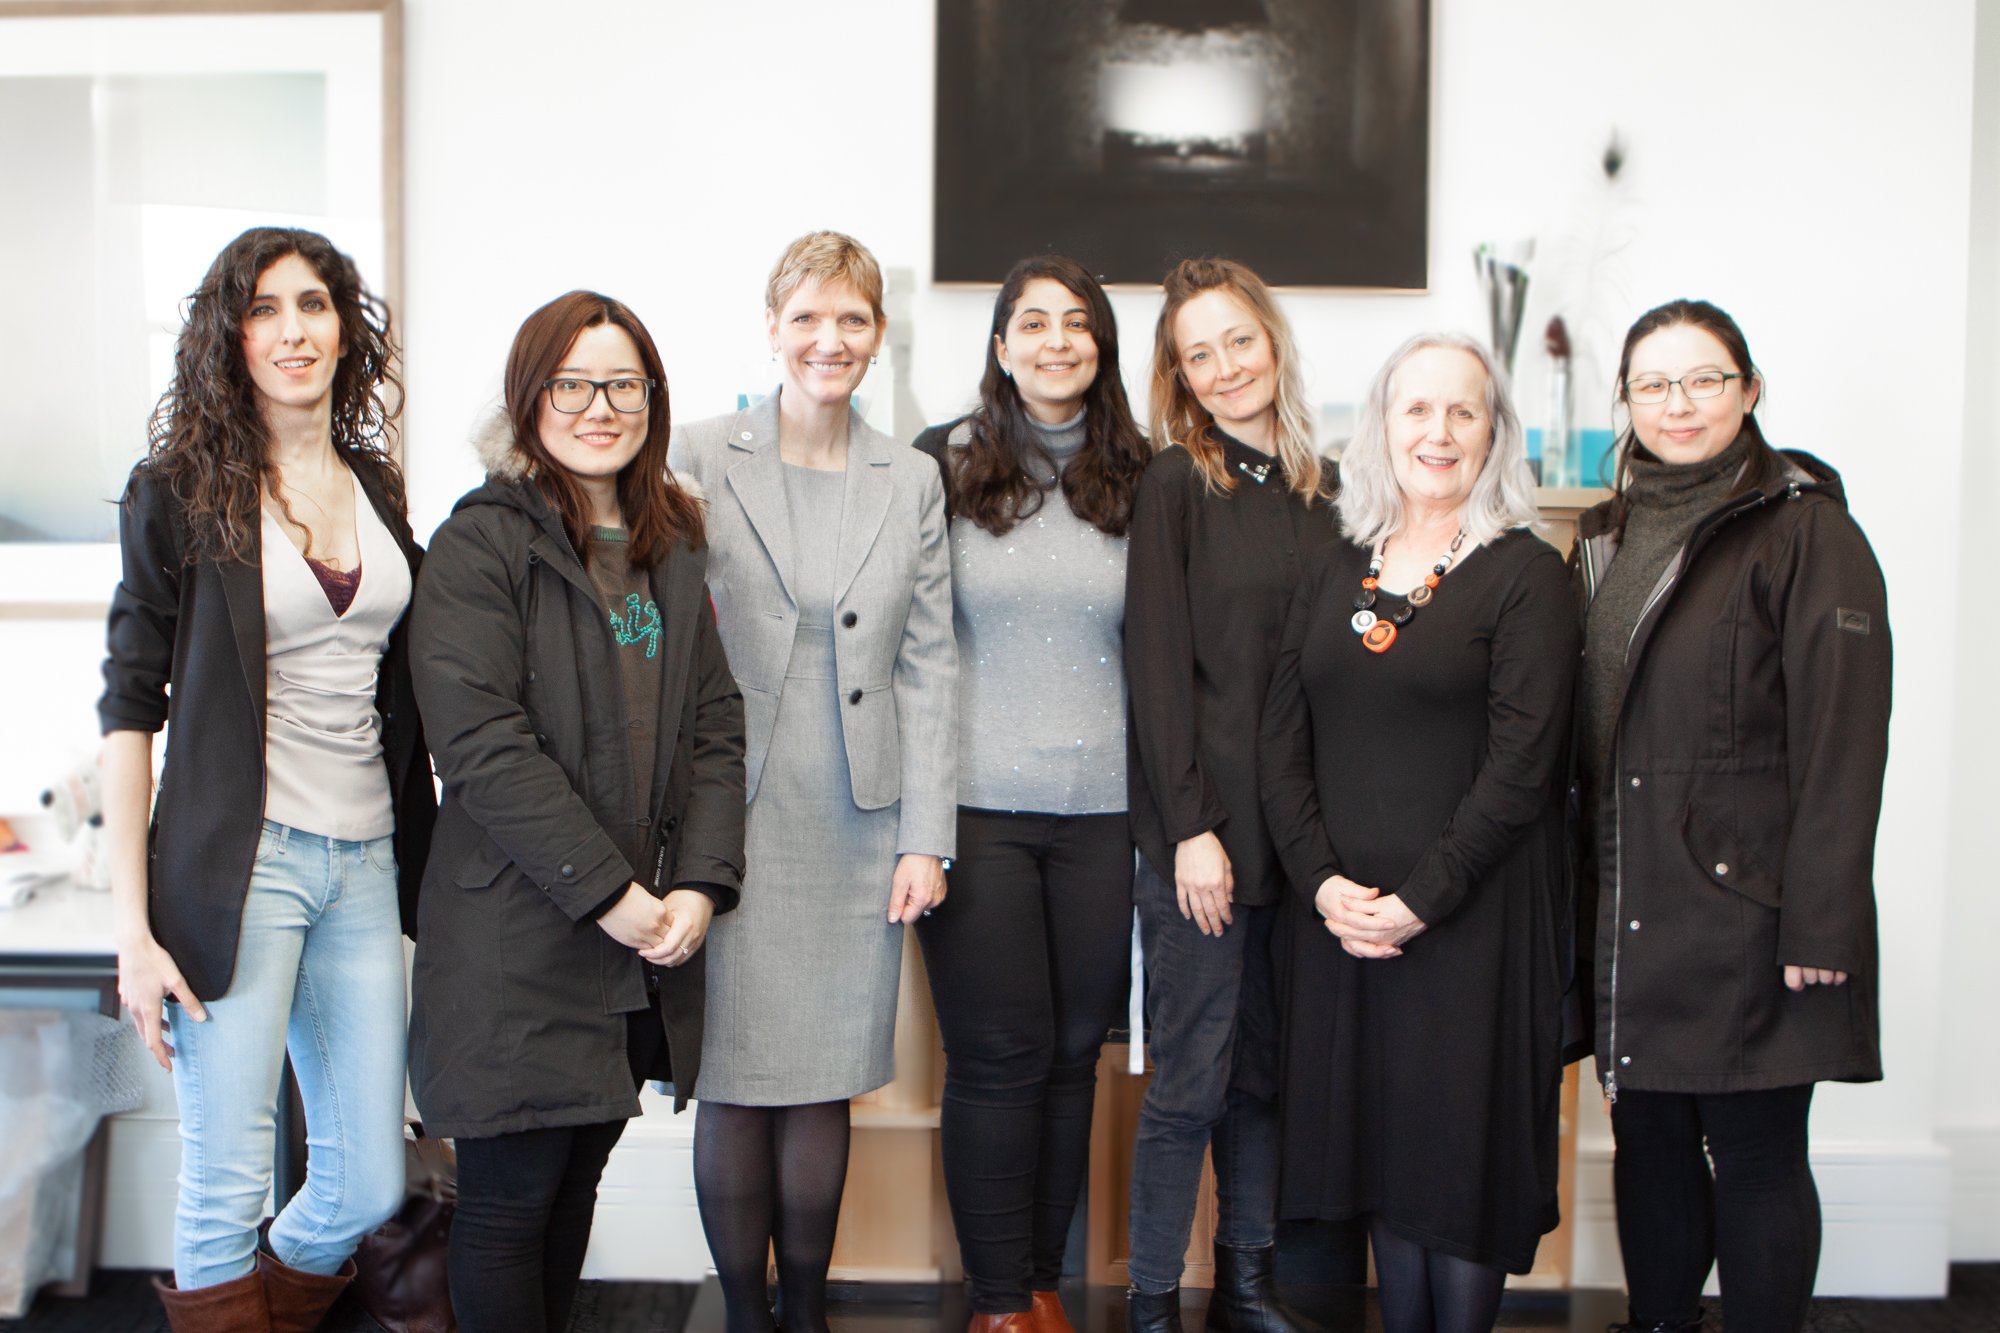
1732 724
590 740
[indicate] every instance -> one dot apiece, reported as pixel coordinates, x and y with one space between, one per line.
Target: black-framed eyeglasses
570 395
1650 389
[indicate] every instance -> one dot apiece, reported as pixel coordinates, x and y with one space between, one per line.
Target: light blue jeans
319 971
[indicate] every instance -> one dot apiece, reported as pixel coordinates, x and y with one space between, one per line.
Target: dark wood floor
122 1302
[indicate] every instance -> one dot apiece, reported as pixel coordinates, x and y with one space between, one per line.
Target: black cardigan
1207 584
200 628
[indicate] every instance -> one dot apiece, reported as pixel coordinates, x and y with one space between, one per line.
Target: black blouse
1207 583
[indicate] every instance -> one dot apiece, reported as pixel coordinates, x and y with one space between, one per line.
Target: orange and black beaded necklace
1378 633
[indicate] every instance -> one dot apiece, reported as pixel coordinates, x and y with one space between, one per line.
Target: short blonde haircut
825 257
1178 416
1371 501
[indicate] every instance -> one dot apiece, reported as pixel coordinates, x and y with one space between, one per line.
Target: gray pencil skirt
802 976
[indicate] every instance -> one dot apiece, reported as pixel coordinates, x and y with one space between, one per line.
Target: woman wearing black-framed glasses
1732 727
590 739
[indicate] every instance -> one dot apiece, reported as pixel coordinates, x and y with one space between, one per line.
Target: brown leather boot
1012 1321
298 1300
235 1306
1048 1314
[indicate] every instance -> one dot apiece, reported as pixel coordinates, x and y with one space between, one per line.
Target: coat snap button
1624 1059
850 620
1722 867
855 697
1634 926
542 737
531 678
672 823
1635 782
534 558
569 872
746 434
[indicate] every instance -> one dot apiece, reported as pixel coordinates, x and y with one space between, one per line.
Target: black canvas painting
1292 135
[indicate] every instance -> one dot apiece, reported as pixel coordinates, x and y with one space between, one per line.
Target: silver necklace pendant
1257 472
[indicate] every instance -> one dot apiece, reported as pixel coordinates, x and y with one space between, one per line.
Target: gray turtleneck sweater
1667 500
1040 614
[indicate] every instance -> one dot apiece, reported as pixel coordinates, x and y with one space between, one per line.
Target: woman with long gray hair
1412 764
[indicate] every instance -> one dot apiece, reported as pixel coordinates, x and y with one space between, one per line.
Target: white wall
1968 1073
1804 164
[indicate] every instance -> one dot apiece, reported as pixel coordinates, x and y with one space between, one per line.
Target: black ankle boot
1246 1294
1149 1312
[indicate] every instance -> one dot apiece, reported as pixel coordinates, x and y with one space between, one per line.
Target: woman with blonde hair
1412 766
832 589
1228 512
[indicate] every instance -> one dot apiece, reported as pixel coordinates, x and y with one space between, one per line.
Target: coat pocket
481 866
1724 858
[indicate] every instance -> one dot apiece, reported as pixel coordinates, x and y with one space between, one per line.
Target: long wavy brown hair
207 437
656 510
990 483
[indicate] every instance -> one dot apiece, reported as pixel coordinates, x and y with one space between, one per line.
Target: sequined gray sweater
1040 615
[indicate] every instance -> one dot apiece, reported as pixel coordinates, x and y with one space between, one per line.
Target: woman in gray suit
832 588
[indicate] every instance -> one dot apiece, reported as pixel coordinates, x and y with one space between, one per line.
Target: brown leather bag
400 1277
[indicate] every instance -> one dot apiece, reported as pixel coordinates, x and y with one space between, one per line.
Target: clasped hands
1368 924
666 930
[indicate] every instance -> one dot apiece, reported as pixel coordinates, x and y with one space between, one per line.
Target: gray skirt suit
833 595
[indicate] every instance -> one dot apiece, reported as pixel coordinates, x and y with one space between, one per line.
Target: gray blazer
895 656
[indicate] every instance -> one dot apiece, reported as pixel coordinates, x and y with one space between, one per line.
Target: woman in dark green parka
590 740
1733 719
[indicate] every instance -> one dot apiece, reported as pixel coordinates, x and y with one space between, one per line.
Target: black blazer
200 628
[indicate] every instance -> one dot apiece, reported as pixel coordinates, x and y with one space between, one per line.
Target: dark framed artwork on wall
1292 135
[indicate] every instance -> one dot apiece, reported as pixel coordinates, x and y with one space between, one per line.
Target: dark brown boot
235 1306
298 1300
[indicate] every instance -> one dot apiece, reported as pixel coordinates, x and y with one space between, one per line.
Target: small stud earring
874 360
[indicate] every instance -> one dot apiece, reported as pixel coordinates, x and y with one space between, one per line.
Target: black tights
771 1177
1423 1291
1756 1215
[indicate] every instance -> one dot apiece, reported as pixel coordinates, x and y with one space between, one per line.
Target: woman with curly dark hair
268 561
1029 967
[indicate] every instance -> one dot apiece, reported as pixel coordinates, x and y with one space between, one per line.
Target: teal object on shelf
1587 464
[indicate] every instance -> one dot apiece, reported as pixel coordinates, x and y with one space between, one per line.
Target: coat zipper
1695 538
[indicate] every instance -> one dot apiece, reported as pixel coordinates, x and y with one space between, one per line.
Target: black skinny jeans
525 1203
1756 1215
1029 961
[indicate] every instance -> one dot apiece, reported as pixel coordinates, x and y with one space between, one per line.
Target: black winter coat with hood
1740 800
519 1001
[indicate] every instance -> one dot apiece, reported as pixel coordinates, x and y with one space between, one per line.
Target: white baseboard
1975 1190
648 1228
1887 1210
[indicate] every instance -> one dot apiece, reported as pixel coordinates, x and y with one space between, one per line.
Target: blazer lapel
865 501
757 477
243 590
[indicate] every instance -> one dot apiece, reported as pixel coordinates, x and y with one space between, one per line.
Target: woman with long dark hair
1231 508
590 740
1732 728
1029 968
268 562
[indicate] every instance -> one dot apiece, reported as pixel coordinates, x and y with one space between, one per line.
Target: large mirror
135 141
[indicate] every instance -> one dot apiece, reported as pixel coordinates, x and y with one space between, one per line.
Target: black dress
1424 1089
